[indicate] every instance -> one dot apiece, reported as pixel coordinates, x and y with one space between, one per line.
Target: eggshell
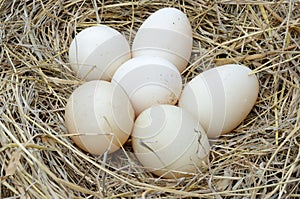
96 53
221 98
99 117
148 81
166 33
169 142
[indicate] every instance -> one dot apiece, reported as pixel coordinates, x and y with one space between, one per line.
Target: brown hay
260 159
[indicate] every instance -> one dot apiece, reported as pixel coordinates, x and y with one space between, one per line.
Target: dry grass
260 159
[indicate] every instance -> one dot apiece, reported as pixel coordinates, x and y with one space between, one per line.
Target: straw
259 159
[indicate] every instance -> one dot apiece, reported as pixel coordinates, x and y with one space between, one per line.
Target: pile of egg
138 92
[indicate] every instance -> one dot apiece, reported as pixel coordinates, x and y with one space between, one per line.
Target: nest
259 159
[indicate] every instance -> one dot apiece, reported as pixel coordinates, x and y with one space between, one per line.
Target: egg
149 80
166 33
99 117
169 142
221 98
96 52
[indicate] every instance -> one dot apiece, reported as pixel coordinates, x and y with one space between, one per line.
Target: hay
260 159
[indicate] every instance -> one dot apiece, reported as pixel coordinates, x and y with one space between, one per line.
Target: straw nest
259 159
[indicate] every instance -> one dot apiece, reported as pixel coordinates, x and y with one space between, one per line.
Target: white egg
221 98
96 53
166 33
148 81
99 117
169 142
